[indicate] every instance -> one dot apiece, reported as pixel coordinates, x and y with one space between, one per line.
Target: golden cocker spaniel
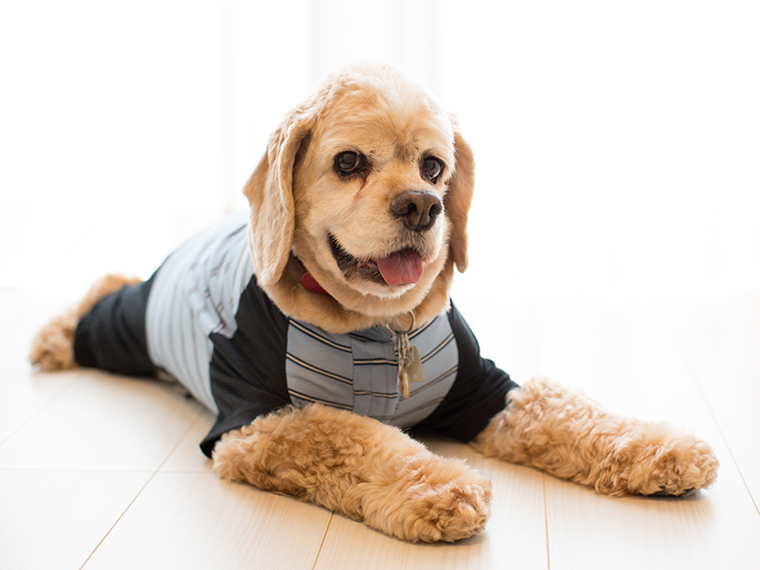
318 326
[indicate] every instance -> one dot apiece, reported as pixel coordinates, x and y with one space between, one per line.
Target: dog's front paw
441 500
660 461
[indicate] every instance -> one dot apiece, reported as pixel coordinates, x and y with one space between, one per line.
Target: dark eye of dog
349 162
432 169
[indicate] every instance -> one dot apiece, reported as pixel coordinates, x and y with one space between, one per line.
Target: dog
318 327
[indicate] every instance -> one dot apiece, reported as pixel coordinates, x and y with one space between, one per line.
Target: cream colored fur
572 437
355 465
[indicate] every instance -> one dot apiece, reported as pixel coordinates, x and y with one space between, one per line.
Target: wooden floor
103 472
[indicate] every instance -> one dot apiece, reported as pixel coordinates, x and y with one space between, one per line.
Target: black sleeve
479 391
248 370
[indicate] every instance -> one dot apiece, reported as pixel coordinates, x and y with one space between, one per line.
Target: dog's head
366 187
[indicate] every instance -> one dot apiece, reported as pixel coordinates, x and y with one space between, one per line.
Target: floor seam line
40 410
324 538
140 492
546 523
118 520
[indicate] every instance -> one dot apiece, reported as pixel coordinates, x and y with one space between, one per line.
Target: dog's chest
359 371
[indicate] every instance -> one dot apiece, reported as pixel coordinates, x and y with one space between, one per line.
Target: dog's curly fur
361 468
572 437
355 465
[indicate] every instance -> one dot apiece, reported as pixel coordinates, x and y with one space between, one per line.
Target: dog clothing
203 319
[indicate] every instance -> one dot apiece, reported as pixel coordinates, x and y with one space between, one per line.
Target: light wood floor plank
24 393
720 340
103 422
194 520
54 520
623 356
709 530
79 447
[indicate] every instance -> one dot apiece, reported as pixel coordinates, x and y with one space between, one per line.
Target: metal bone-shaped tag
409 361
410 366
403 382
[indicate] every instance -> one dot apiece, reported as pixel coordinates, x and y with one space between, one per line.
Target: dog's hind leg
570 436
361 468
53 345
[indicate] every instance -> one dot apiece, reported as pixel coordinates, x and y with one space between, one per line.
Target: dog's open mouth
399 268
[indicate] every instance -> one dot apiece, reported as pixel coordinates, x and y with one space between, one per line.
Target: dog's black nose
418 209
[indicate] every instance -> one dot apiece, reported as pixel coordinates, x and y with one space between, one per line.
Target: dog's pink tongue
402 267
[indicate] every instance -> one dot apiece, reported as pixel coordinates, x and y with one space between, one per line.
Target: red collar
311 284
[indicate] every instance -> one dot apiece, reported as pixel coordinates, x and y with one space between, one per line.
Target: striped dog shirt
203 319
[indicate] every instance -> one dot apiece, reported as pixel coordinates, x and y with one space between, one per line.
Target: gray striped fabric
359 371
180 314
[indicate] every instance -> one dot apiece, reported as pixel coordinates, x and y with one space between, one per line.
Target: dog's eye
349 162
432 169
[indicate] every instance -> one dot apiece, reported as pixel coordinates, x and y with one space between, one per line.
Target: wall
616 144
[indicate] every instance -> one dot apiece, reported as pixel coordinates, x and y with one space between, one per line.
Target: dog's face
369 185
367 207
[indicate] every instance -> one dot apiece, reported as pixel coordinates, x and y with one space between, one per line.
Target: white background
617 143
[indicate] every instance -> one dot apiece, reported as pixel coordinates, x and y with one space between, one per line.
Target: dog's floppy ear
270 194
458 198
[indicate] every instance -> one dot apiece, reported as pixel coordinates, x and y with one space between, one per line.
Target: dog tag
409 366
403 359
413 365
403 382
409 361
